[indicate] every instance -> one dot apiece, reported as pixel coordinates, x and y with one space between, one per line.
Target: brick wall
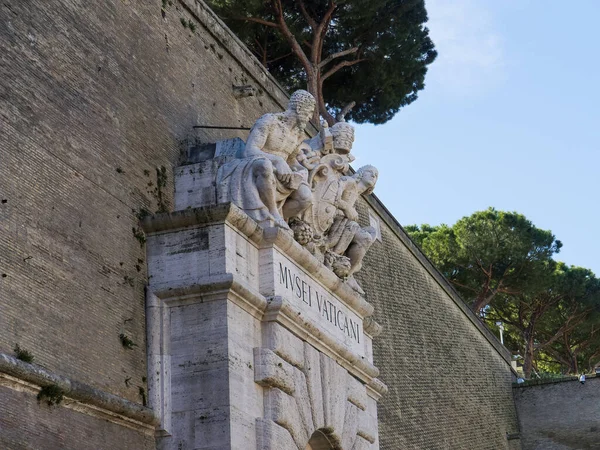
449 379
560 415
25 424
94 97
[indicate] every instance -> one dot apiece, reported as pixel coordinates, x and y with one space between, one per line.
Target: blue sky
509 118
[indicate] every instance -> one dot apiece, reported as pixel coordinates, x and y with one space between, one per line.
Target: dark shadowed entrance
322 440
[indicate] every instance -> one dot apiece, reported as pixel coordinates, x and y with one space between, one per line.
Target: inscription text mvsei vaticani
313 297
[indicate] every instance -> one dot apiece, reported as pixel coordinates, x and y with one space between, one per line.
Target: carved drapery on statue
281 178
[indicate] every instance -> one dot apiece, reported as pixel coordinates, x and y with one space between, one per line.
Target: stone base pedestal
253 343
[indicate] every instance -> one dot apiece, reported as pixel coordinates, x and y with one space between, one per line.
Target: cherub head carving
367 176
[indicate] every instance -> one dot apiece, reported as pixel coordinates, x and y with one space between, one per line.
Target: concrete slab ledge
82 393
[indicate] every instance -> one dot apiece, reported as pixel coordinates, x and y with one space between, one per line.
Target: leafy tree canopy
371 53
503 267
489 253
546 321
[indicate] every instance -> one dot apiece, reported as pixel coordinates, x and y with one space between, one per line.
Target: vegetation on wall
22 354
364 58
52 395
503 267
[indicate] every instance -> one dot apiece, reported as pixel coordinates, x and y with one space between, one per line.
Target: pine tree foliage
489 253
503 266
364 58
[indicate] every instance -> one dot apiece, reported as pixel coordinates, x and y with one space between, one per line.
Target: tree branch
345 110
257 20
337 55
296 48
338 66
327 17
280 57
263 52
319 33
499 316
464 286
312 22
557 357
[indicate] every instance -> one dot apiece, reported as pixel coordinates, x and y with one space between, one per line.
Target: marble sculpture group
302 185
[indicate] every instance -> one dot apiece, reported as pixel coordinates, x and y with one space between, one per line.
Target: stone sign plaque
311 301
319 305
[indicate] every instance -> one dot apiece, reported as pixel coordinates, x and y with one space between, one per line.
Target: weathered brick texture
60 427
449 386
94 97
562 415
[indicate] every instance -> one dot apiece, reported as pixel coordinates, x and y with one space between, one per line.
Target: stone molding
337 402
22 376
371 327
263 237
377 389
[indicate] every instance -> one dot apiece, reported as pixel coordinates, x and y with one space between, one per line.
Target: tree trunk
574 366
312 86
321 105
483 300
529 355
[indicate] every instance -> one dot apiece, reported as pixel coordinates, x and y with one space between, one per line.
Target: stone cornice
371 327
24 376
284 241
377 389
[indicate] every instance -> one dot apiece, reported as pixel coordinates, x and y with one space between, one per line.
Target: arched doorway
323 439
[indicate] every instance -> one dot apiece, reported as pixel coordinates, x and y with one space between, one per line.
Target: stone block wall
561 415
449 379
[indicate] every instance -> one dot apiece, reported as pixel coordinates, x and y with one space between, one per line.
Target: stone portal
252 342
258 336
